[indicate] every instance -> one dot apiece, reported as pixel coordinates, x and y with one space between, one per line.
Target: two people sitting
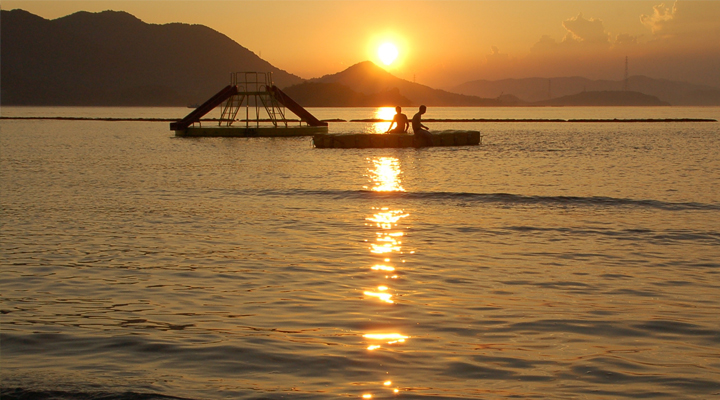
400 121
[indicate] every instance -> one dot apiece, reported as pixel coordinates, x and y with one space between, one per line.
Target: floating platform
394 140
238 131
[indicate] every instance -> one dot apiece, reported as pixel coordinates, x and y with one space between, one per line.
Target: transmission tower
549 89
625 81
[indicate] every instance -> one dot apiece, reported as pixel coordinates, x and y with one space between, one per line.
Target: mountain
369 79
540 89
604 98
113 58
317 94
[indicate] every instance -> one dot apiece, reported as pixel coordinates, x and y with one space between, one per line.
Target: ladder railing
255 86
274 110
231 109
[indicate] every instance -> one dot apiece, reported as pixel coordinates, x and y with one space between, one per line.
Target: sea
557 260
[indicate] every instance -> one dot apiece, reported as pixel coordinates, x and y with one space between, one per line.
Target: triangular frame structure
251 91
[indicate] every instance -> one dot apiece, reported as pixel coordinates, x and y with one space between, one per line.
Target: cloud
624 39
546 44
661 17
684 20
496 57
582 34
681 44
589 31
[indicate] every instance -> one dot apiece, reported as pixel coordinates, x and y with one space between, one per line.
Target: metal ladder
255 85
231 109
275 112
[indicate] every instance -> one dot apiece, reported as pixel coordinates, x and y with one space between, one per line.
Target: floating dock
394 140
250 91
240 131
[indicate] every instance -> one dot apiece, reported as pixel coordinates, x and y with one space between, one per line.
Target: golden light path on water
384 174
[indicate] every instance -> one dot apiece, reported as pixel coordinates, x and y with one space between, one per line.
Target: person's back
401 120
417 122
419 129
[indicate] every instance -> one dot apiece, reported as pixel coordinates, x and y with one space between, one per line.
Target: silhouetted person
420 130
401 120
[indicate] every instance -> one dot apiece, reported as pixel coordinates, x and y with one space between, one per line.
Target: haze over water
557 260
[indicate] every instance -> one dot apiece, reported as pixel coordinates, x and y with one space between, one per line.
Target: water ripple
500 198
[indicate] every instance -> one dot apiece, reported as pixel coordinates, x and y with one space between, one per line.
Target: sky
446 43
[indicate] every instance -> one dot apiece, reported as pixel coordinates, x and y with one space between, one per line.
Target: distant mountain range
604 98
316 94
547 91
367 78
114 59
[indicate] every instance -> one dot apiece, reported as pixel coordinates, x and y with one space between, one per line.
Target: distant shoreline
375 120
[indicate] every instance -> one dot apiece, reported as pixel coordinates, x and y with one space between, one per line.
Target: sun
387 52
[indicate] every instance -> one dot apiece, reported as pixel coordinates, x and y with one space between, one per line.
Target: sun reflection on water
385 174
380 294
387 219
387 240
387 338
387 246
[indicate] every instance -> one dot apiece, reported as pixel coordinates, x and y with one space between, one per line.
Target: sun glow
387 52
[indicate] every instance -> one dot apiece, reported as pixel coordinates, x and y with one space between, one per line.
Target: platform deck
394 140
236 131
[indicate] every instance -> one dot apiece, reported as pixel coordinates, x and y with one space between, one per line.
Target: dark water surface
554 261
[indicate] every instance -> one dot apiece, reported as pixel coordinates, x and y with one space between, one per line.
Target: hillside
369 79
113 58
604 98
316 94
539 89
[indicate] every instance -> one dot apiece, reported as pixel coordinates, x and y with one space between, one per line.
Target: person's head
398 109
422 109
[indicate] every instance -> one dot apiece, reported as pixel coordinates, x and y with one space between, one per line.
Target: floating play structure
394 140
255 94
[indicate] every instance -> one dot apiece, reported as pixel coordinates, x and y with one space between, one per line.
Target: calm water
557 260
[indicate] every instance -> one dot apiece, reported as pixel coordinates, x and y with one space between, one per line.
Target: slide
205 108
295 107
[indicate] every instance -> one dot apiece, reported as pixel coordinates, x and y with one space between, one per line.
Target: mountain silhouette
604 98
369 79
317 94
541 89
113 58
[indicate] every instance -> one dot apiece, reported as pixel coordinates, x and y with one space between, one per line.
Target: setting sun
387 52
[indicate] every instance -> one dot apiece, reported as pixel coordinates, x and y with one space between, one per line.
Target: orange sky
444 43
